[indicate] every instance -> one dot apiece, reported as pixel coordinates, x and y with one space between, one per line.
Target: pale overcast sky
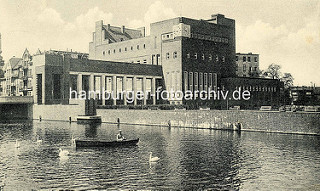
284 32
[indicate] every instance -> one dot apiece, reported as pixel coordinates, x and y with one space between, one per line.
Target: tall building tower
194 54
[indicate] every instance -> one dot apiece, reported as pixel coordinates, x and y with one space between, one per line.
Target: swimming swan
39 141
17 144
153 159
63 153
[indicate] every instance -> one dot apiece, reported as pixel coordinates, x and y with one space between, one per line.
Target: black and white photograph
159 95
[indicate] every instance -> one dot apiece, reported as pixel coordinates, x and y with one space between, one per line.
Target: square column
43 88
79 83
153 91
134 90
144 89
114 89
91 82
103 88
124 89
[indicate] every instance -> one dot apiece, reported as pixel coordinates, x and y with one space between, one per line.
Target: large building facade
180 55
59 78
17 80
194 54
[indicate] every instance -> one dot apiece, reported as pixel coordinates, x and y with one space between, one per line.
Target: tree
1 73
273 71
287 79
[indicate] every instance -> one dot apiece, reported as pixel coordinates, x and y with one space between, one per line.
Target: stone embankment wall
281 122
59 112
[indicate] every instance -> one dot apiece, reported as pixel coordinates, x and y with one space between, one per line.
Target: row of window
171 35
204 57
155 60
247 58
121 50
209 37
250 68
257 88
195 81
174 55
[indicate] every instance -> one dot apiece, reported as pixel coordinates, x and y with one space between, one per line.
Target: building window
138 47
191 81
201 81
103 53
202 56
186 81
114 50
244 59
119 49
195 55
145 61
175 54
196 81
250 69
256 59
210 57
125 49
244 67
109 51
121 39
167 55
210 80
138 62
205 81
237 58
188 55
158 59
144 46
131 48
249 59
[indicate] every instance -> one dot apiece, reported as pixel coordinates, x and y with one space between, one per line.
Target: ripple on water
189 159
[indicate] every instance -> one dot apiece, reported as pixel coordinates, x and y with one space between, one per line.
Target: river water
189 159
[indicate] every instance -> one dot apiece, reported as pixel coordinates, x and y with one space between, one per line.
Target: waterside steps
89 119
90 113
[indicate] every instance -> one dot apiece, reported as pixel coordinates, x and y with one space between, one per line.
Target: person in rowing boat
120 137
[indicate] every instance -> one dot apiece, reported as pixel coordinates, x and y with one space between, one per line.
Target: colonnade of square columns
113 86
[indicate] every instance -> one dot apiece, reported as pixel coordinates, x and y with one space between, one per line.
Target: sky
283 32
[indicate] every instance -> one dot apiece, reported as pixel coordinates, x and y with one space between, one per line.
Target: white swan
63 153
17 145
39 141
153 159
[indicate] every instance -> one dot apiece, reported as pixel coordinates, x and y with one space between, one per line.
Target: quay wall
59 112
264 121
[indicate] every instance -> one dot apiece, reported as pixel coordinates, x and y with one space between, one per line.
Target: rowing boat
93 143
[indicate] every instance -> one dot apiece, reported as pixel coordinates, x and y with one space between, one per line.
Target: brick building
57 74
180 54
194 54
263 92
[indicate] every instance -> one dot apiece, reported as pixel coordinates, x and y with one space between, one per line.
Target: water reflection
189 159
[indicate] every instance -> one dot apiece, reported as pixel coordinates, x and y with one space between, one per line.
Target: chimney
108 27
217 18
99 25
123 29
143 31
